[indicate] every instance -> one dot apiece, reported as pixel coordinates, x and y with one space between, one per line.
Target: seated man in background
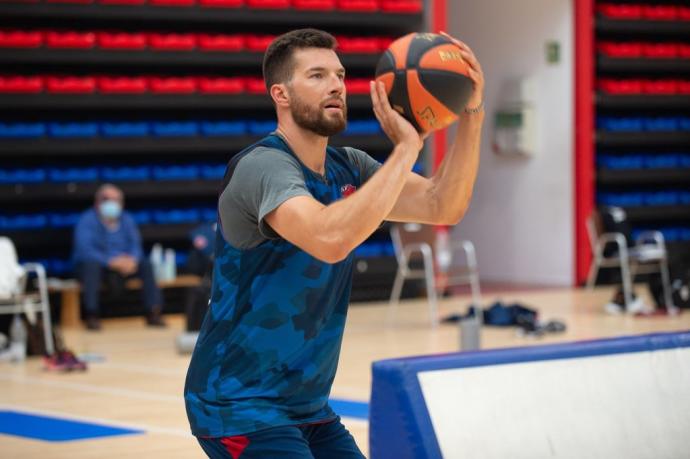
107 242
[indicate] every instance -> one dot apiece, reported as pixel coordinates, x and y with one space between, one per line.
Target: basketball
426 79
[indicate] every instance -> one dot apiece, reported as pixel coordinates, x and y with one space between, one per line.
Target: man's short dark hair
278 64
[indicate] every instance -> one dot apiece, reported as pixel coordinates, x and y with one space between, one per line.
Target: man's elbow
333 250
452 217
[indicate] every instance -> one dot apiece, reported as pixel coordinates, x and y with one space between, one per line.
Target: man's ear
279 94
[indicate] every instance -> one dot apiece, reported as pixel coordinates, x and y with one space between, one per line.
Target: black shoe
155 319
93 323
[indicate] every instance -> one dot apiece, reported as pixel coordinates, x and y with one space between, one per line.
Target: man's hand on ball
397 128
475 71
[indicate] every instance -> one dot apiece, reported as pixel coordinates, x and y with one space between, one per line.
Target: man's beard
315 119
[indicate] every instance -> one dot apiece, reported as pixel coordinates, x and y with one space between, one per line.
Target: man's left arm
444 198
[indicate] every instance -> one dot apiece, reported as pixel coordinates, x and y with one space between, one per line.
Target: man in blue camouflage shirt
291 211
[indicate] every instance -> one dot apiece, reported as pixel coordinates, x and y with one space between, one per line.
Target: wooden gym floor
139 382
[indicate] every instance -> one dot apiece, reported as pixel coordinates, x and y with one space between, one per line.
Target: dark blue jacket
93 241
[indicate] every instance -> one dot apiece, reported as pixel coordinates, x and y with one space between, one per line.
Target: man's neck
309 147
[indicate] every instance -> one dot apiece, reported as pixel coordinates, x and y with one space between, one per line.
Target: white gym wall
521 216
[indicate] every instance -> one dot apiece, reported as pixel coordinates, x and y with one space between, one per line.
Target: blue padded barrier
408 393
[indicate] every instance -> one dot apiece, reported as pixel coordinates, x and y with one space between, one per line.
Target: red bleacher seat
401 6
358 5
172 41
122 85
620 11
70 84
172 2
660 50
70 39
269 4
317 5
255 85
659 12
222 3
21 39
220 42
122 2
660 86
172 85
221 85
684 13
612 86
258 43
683 50
121 40
684 86
620 50
385 42
21 84
361 45
82 2
357 85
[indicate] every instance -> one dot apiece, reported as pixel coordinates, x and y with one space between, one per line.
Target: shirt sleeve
86 246
261 182
366 164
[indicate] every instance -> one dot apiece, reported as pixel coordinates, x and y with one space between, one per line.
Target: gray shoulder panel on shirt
262 180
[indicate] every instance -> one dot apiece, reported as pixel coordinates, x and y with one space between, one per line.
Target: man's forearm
454 180
354 219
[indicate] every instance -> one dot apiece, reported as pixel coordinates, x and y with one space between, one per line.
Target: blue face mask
110 209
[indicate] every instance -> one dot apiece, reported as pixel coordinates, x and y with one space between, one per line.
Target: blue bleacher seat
616 124
22 130
63 220
23 221
63 130
125 129
212 171
223 128
661 198
141 216
667 161
182 172
363 127
261 127
661 123
73 174
125 173
173 216
12 176
175 128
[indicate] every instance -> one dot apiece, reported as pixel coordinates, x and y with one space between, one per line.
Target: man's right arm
331 232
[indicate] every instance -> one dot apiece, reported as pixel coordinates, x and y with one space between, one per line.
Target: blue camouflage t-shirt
268 348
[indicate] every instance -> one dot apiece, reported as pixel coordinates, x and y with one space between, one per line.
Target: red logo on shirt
347 190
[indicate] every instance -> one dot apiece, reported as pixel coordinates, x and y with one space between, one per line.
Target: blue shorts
326 440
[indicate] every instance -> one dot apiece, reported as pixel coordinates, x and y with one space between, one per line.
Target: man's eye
316 75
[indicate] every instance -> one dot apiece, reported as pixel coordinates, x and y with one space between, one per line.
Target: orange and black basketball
426 79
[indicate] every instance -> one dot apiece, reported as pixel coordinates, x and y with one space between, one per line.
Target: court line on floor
147 428
351 405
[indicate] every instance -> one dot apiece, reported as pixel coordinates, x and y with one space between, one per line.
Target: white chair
647 256
417 243
14 299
